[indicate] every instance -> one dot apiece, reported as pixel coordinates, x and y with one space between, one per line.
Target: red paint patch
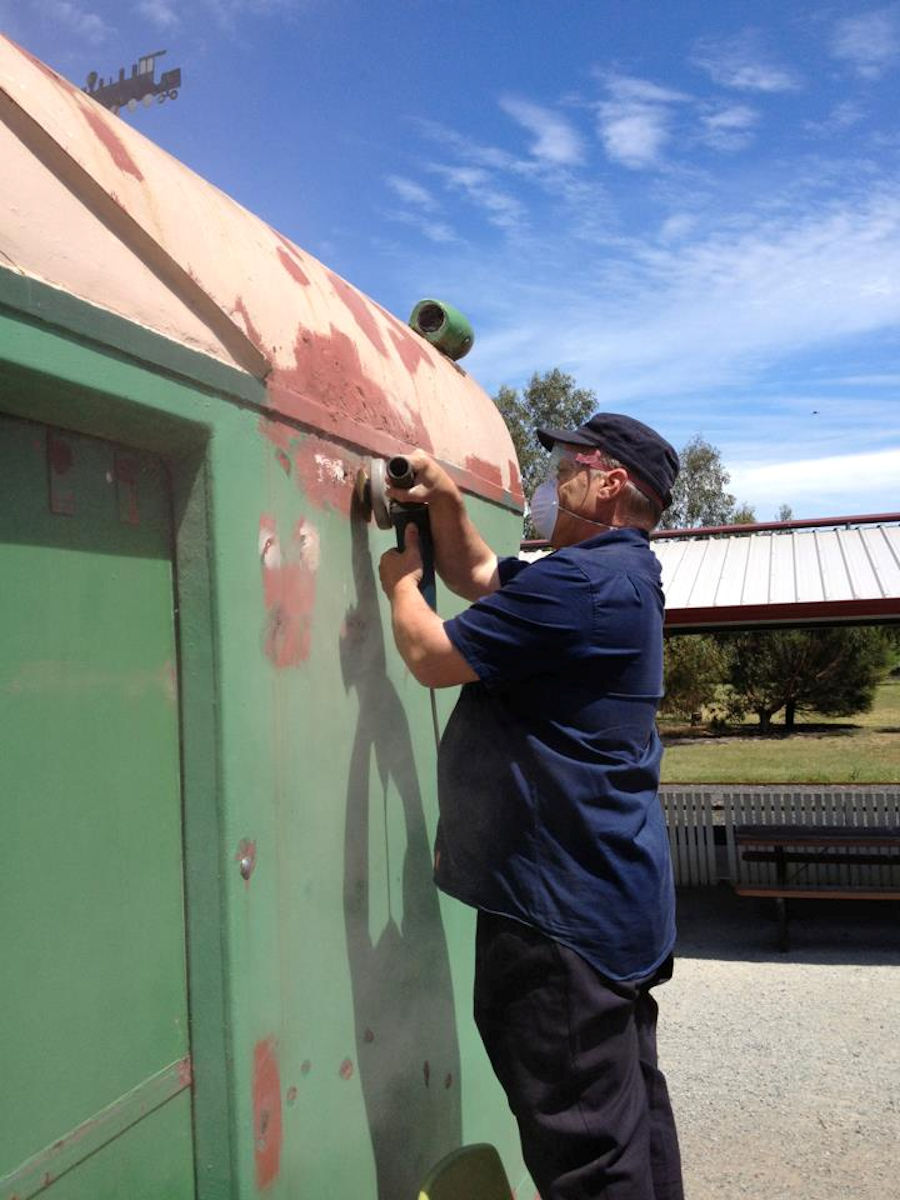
267 1131
107 135
410 348
328 372
515 479
289 591
252 332
346 1069
41 66
484 470
185 1072
292 266
360 309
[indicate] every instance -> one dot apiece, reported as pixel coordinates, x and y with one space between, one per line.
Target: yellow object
469 1173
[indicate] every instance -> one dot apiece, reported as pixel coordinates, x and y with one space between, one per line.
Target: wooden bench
792 848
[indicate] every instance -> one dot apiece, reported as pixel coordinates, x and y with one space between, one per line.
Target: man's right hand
462 558
432 483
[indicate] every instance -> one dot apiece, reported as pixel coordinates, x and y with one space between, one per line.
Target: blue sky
692 207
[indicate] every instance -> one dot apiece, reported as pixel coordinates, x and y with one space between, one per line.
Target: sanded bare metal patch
289 590
267 1127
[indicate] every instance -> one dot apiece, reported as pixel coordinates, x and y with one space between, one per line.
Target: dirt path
785 1069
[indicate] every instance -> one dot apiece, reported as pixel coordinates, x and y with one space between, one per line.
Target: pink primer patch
346 1069
113 144
267 1129
289 591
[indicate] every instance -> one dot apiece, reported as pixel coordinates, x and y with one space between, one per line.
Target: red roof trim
825 611
813 523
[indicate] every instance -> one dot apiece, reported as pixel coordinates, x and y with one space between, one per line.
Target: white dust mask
544 508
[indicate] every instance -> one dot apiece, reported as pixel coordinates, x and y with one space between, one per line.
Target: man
550 824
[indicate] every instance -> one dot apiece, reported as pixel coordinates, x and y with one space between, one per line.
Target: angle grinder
371 488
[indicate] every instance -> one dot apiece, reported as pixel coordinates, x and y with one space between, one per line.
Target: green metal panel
334 1046
95 982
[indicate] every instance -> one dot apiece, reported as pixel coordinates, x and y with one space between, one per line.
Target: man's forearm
462 558
423 642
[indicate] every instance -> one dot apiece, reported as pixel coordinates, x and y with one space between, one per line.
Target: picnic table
793 848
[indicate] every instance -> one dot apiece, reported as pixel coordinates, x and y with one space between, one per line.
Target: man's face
574 479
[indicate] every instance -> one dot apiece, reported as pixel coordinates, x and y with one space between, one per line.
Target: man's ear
614 481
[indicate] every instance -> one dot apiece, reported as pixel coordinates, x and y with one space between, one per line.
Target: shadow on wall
406 1039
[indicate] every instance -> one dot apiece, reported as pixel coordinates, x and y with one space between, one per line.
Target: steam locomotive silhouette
139 88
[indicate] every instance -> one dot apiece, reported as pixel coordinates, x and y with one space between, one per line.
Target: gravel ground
784 1069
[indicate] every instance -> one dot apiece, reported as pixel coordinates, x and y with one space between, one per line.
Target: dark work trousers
576 1055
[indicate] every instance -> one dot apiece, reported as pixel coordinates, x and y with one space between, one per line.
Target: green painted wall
331 988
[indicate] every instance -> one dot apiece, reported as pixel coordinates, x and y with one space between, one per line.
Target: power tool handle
419 517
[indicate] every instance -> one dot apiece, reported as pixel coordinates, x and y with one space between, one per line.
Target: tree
695 665
831 671
699 496
785 513
550 400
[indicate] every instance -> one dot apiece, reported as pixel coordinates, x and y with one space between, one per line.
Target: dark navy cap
650 459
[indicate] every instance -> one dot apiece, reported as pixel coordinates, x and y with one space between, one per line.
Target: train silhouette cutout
141 87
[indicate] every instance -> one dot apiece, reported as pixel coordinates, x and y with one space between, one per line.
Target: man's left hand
399 565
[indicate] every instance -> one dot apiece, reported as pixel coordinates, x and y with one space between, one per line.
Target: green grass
864 748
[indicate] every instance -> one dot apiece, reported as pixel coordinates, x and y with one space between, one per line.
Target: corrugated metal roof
789 575
823 572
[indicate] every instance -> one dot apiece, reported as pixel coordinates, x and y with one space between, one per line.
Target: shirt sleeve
541 617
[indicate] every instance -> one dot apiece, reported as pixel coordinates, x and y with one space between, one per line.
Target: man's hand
432 483
399 566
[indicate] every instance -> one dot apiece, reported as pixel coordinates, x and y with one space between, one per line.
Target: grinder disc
380 505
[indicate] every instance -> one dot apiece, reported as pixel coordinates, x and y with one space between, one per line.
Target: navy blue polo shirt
549 766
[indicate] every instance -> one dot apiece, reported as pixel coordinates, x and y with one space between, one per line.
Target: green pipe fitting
444 326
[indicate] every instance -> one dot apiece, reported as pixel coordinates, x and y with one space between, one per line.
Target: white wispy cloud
634 123
729 128
412 193
869 42
160 13
83 23
501 208
793 480
713 312
842 116
556 141
742 62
